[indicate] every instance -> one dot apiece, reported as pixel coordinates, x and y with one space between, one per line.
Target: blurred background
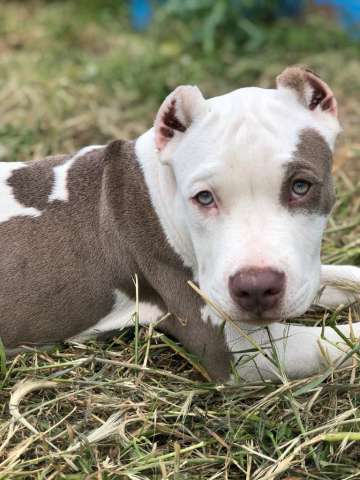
80 72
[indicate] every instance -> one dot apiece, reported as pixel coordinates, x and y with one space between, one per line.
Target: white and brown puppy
232 192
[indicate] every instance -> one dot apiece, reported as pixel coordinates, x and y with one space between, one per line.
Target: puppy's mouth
261 321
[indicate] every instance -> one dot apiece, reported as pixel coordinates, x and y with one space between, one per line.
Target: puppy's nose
257 290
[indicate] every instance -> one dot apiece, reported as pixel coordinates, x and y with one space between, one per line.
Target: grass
138 406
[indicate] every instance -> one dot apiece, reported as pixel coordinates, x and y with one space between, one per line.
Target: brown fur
296 77
62 267
32 184
312 155
170 119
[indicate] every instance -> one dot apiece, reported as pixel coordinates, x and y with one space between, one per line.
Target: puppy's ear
175 116
310 90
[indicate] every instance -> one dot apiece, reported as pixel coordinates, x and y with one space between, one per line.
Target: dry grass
138 407
91 411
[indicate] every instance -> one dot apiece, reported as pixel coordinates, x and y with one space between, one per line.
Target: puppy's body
76 229
71 249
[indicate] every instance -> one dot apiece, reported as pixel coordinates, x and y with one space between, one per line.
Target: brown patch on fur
205 340
166 132
312 162
170 119
60 269
293 77
32 184
296 77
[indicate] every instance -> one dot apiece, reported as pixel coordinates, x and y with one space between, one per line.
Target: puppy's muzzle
257 290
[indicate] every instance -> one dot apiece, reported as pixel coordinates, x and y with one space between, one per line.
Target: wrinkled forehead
252 128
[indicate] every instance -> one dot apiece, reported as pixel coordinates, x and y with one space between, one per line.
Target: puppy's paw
340 285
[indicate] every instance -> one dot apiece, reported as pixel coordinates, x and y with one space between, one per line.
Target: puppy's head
253 182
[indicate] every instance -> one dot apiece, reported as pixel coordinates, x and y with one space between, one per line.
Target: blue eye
205 198
301 187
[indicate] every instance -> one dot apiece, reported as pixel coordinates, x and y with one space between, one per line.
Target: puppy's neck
161 182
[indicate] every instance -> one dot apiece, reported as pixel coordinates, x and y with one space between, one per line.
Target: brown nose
257 290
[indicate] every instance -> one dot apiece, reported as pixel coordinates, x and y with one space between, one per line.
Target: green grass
73 74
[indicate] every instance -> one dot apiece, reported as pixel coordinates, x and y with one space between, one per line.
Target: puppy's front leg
340 285
284 351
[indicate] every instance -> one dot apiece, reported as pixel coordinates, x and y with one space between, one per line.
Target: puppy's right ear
175 116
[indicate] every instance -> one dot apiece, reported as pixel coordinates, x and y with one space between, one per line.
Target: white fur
254 133
161 183
59 190
121 316
334 280
298 351
237 147
9 206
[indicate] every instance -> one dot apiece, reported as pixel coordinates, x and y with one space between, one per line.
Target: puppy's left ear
311 91
175 117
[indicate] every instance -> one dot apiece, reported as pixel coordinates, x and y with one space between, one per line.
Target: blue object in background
347 10
141 13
